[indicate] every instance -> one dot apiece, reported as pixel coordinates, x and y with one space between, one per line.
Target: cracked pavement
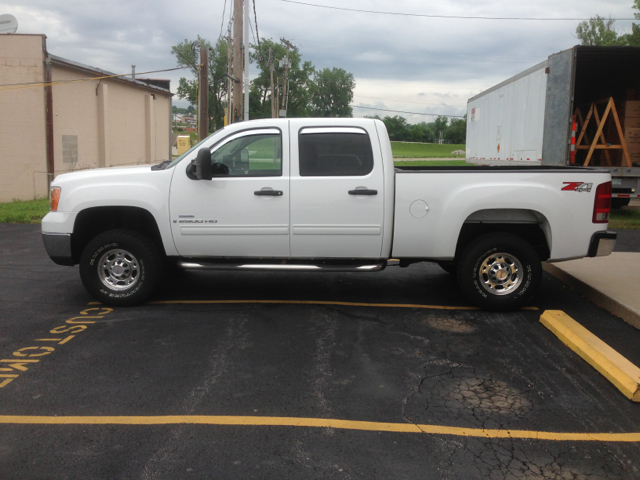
452 368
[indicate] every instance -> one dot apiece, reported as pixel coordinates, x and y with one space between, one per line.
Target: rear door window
331 152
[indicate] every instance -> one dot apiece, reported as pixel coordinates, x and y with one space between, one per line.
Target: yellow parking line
311 302
318 302
316 423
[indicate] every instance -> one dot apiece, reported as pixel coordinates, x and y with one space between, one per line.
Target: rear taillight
602 203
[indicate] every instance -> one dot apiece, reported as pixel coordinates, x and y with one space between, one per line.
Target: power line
465 17
17 86
409 113
255 16
222 22
252 32
409 101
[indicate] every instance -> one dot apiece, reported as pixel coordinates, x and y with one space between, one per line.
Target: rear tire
120 267
499 271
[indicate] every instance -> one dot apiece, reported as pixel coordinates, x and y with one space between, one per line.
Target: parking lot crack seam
325 345
235 336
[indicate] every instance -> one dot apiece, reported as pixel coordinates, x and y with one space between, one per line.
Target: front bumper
58 247
602 244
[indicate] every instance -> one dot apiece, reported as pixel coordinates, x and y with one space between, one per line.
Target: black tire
449 267
499 271
120 267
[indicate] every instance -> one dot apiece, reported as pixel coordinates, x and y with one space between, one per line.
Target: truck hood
112 172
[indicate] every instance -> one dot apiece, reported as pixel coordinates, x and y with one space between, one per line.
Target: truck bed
498 168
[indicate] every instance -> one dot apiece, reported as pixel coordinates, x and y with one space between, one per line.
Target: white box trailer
527 119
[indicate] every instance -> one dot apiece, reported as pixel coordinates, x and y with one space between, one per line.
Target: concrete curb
608 303
616 368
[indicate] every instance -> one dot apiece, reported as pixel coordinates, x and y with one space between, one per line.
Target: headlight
54 198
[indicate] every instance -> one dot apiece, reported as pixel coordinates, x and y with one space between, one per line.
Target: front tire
449 267
120 267
499 271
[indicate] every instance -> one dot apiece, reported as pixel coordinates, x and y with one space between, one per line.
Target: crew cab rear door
337 191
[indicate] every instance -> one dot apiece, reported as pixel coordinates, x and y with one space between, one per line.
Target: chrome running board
257 265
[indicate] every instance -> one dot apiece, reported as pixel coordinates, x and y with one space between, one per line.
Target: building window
70 149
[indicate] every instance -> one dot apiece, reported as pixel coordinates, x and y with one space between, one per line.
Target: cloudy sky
414 62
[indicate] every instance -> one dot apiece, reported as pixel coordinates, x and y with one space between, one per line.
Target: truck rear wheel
120 267
499 271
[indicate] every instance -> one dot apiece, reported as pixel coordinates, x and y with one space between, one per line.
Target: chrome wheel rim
118 270
500 274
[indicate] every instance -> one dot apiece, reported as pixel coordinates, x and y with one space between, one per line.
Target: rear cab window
332 152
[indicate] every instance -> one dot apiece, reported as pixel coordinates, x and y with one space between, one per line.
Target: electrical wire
18 86
255 16
410 101
410 113
224 9
252 32
464 17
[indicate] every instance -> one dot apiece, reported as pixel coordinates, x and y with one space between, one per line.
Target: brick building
78 122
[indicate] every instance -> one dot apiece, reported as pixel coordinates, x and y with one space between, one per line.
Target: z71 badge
577 186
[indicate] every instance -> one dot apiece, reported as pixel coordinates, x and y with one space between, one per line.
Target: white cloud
400 59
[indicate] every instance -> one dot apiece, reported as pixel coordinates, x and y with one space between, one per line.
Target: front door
337 192
244 210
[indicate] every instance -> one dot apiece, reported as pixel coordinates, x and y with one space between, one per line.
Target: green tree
421 132
633 38
597 31
457 131
331 93
441 124
397 127
187 56
299 75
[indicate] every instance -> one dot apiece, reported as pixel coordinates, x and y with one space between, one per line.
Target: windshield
179 159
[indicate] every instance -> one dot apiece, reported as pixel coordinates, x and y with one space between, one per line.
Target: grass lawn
29 211
424 150
624 218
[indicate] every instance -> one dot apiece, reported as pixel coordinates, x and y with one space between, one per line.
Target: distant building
80 121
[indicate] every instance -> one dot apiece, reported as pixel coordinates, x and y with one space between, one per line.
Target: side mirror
200 168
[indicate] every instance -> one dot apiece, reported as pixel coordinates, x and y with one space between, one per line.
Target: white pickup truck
322 195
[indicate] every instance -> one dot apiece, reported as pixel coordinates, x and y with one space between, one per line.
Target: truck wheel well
531 233
93 221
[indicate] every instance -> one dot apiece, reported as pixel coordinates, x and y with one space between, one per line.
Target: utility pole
229 114
285 83
245 45
237 60
203 100
274 101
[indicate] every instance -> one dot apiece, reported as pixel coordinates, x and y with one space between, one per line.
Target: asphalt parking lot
300 375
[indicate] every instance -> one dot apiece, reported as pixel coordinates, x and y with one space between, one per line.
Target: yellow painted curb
616 368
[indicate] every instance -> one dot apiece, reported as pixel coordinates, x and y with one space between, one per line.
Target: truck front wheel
499 271
120 267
